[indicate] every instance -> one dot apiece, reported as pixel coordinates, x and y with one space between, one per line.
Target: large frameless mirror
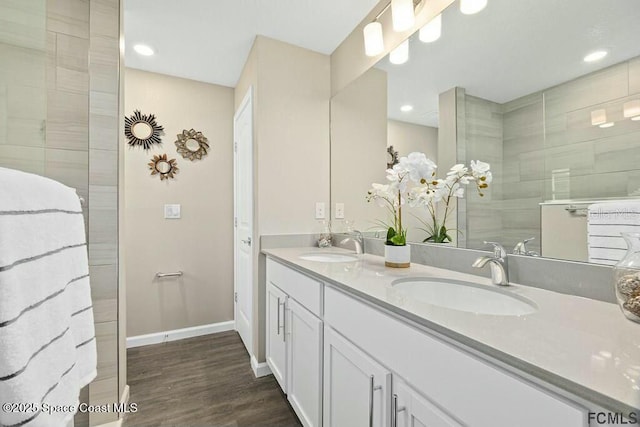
546 92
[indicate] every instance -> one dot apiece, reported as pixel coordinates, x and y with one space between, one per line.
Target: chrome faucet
497 264
521 248
357 238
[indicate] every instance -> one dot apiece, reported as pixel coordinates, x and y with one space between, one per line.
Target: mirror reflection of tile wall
543 147
23 102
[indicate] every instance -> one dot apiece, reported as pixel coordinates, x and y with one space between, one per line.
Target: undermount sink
328 257
465 296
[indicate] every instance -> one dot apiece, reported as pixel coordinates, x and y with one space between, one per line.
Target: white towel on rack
47 338
606 223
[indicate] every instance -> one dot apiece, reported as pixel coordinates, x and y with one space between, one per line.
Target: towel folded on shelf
47 337
606 223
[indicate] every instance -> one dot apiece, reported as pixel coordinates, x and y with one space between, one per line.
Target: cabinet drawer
305 290
471 389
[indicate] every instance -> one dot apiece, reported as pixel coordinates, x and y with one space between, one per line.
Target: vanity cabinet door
410 409
276 346
304 363
356 388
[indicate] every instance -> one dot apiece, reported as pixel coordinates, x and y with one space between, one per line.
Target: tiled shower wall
549 131
59 95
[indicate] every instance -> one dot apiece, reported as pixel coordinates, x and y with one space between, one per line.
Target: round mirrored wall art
142 130
192 144
164 167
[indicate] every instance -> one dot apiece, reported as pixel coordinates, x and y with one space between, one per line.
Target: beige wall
409 137
291 90
293 136
359 147
200 243
348 61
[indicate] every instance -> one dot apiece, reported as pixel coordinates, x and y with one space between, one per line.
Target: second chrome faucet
497 264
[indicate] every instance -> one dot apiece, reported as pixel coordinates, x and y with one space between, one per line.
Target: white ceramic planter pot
397 256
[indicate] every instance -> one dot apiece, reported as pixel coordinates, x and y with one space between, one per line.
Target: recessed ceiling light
607 125
595 56
143 49
406 108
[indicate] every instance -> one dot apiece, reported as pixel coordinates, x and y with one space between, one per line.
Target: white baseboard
259 369
179 334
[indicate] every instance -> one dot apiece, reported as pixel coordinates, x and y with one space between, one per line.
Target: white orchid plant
413 181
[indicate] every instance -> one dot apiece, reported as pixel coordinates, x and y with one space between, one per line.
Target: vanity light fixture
406 108
598 117
469 7
143 49
595 56
432 30
402 14
632 109
373 42
400 55
607 125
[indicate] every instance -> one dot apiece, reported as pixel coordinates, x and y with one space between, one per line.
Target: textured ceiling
511 49
209 40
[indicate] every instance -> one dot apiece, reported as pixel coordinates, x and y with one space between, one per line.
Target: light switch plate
339 211
172 211
319 210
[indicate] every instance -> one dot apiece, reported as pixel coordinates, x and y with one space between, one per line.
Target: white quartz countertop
580 345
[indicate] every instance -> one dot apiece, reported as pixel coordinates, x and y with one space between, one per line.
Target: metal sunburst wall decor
164 167
192 144
142 130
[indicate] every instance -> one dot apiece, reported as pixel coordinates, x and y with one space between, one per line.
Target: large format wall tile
103 293
68 120
69 17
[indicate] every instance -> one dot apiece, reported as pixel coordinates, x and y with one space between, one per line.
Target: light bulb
373 41
432 31
400 55
469 7
402 14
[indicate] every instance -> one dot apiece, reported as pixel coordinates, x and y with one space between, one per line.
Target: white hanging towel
606 223
47 337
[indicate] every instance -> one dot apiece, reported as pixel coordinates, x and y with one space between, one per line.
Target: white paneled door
243 194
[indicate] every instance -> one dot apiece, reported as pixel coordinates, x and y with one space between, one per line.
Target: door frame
247 102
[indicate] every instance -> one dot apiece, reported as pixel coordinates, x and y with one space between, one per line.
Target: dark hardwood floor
203 381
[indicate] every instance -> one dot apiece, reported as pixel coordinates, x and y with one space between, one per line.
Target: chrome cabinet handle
395 410
278 328
372 389
284 319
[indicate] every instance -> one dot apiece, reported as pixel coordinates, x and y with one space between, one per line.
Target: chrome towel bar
174 274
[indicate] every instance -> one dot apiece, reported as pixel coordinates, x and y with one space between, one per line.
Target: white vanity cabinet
441 383
344 361
410 409
294 339
356 388
276 345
